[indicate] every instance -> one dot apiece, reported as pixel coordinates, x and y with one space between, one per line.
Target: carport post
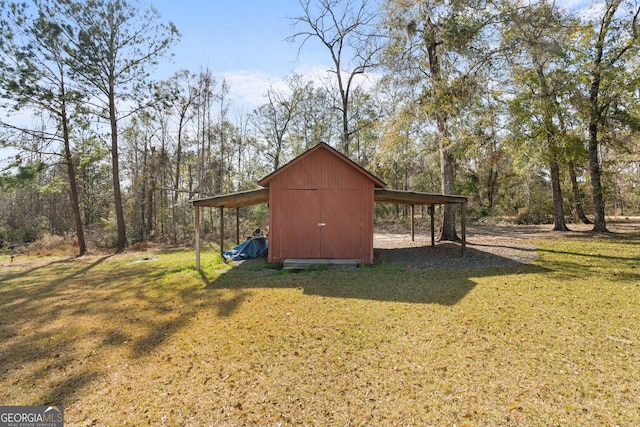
237 226
432 209
413 224
222 232
463 226
197 227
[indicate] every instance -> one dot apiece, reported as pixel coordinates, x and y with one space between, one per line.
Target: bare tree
346 29
272 119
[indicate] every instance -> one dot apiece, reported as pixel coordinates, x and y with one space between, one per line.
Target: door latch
321 224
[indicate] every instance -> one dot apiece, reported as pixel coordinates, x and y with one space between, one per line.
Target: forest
529 108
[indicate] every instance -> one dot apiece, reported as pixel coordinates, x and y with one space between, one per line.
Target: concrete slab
334 264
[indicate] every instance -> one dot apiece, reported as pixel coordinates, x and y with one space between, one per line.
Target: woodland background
530 109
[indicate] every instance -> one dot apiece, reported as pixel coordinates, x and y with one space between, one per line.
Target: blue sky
244 42
240 40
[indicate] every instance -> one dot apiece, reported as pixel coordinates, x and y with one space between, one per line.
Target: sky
242 41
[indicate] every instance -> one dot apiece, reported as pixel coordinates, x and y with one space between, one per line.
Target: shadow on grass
400 275
34 269
61 328
67 390
56 322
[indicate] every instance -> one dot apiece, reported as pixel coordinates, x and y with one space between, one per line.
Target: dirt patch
488 246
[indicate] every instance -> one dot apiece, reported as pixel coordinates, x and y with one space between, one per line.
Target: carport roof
241 199
401 197
382 195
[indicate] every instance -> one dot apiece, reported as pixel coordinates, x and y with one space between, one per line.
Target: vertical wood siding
321 189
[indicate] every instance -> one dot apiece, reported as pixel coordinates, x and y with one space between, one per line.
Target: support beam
413 224
432 209
237 226
463 226
221 209
197 227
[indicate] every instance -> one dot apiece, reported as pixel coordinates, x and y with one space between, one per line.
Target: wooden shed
321 206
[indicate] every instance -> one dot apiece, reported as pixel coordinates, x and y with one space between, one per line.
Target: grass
142 338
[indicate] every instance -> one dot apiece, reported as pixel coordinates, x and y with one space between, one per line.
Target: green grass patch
143 338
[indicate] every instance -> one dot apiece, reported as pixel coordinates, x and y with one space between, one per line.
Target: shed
321 206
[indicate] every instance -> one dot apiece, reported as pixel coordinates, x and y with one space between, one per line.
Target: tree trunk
552 146
558 208
595 113
492 182
150 178
447 161
115 164
599 223
577 199
73 185
345 124
447 176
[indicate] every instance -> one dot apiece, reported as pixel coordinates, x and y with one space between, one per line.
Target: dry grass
50 245
141 338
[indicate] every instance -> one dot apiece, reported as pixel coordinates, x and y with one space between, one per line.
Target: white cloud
249 87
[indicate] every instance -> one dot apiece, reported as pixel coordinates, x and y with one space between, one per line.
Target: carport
381 195
321 207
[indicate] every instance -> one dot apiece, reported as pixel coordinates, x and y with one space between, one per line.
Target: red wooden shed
321 206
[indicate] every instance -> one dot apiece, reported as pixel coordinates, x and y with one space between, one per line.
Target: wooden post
413 224
222 233
463 226
237 226
197 227
432 209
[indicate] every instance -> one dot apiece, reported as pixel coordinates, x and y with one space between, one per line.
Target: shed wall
321 207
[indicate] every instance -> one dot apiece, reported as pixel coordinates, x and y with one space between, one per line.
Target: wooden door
322 224
342 219
300 234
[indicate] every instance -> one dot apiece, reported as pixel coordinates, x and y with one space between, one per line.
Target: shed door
342 216
322 224
300 215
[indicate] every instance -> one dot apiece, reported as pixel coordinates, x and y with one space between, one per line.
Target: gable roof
264 182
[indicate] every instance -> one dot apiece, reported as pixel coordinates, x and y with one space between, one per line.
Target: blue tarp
255 247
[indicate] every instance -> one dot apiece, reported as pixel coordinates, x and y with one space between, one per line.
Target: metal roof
241 199
401 197
381 195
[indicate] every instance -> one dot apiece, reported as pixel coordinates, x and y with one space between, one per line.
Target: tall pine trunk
115 165
73 185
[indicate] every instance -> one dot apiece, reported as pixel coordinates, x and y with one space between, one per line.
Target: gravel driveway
487 246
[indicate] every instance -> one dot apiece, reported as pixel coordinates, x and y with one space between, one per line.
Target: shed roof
323 146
